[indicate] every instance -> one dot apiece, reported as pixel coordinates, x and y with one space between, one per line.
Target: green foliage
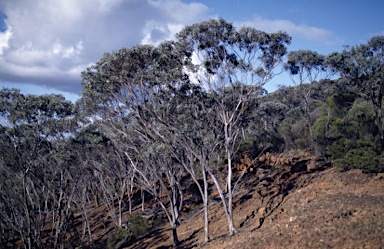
347 133
302 142
327 127
340 103
139 225
294 133
115 238
364 153
362 118
339 148
247 145
363 67
364 158
304 62
361 110
285 130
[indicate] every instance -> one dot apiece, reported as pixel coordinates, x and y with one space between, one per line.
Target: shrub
295 134
340 103
115 238
335 127
302 143
285 132
365 159
139 225
339 148
359 154
340 164
247 145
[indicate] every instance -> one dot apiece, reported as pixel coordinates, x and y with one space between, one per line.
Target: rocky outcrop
298 160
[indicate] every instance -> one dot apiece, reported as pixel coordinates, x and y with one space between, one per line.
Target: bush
359 154
339 148
335 127
295 134
115 238
285 132
340 103
340 164
302 143
249 145
365 159
139 225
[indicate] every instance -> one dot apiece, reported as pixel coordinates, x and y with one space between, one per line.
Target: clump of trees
151 114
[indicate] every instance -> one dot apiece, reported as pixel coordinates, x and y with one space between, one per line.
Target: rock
312 165
241 167
260 173
261 211
273 159
379 176
299 166
267 155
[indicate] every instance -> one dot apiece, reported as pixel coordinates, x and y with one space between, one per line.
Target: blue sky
46 44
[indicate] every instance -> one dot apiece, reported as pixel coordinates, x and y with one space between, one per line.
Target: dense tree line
149 114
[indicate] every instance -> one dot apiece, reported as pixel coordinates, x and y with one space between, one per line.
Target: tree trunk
175 239
120 214
129 202
142 200
205 200
231 228
229 183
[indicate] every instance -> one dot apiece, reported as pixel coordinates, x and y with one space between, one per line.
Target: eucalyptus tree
160 174
231 65
127 92
271 113
92 152
35 166
190 130
154 168
363 67
305 67
113 175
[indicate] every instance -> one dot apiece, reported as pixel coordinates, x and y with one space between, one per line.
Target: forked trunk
231 227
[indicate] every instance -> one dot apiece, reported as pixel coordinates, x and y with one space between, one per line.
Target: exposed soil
306 204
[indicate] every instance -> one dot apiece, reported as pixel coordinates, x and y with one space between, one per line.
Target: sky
46 44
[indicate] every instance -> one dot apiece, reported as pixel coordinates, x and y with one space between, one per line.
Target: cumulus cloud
4 38
302 31
49 43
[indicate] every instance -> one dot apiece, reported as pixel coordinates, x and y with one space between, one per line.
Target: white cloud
51 42
67 52
302 31
4 38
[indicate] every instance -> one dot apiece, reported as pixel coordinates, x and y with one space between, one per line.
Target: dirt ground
303 205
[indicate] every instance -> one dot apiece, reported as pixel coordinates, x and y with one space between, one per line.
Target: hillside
287 200
305 204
